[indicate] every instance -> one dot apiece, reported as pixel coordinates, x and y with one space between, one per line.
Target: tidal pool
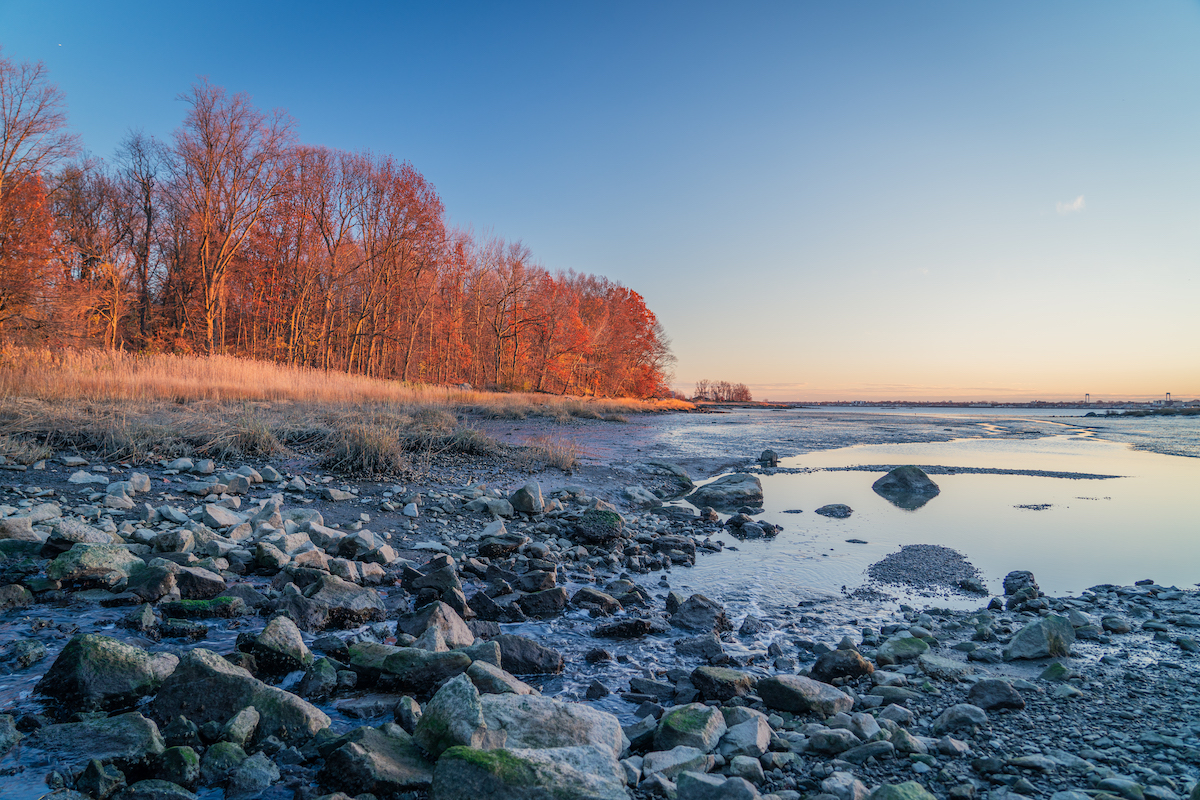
1072 533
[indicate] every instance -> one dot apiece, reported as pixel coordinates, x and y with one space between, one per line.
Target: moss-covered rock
565 773
691 725
107 566
377 763
207 688
599 526
453 717
278 649
99 672
218 607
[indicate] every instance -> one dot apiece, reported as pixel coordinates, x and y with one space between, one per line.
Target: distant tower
1087 397
1168 398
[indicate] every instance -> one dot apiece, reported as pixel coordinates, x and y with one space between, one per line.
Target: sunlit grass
138 407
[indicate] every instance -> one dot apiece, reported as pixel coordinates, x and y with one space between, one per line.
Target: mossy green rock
421 671
103 565
99 672
721 683
692 725
599 526
154 790
218 607
377 763
218 760
180 765
207 688
899 649
909 790
453 717
1050 636
564 773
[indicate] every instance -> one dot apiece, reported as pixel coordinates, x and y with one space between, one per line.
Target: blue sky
850 200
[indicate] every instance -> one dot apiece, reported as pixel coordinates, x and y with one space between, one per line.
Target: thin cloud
1072 207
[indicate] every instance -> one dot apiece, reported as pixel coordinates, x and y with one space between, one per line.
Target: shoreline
658 643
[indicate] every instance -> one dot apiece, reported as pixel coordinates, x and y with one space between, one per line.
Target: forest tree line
234 237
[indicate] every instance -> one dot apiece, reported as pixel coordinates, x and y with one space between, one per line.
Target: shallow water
1143 524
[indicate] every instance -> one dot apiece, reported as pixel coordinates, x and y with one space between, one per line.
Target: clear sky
936 200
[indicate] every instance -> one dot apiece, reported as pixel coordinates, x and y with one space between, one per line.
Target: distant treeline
233 237
721 392
1149 412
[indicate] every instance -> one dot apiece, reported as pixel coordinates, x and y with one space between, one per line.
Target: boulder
840 664
207 688
422 671
154 789
377 763
1050 636
729 492
798 694
991 693
721 683
698 613
528 499
749 738
490 679
332 602
640 497
130 741
670 763
454 716
521 655
909 790
907 487
98 672
599 526
278 649
105 566
835 511
692 725
962 716
1020 579
899 649
580 773
441 616
700 786
533 721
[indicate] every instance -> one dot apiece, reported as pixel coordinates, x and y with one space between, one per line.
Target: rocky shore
191 629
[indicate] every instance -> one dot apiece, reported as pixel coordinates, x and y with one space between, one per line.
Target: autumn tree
33 141
229 161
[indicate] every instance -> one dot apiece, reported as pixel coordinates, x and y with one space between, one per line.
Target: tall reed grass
137 407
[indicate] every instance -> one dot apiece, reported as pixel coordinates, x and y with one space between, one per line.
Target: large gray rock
278 649
373 762
106 566
130 741
749 738
438 615
421 671
991 693
528 499
907 487
99 672
692 725
961 716
207 688
453 717
798 694
521 655
670 763
332 602
599 526
1050 636
729 492
909 790
532 721
700 786
490 679
721 683
579 773
840 664
698 613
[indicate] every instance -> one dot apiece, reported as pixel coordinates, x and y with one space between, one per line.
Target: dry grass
138 407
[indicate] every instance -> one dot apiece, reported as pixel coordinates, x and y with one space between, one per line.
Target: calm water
1143 524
